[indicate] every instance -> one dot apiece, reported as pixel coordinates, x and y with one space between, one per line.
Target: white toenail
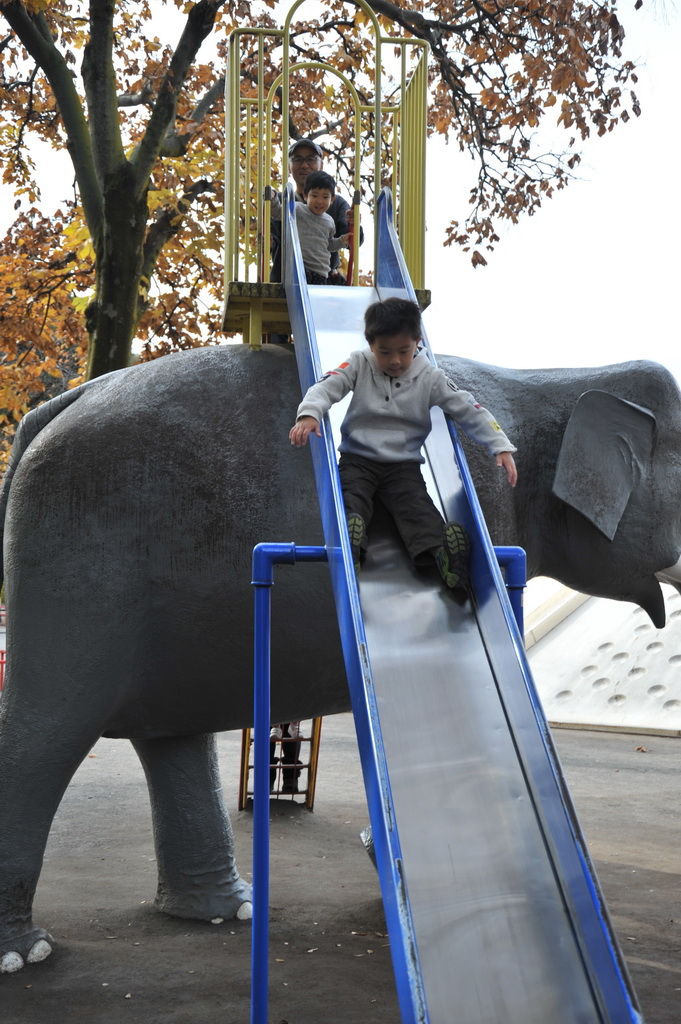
40 950
10 963
245 911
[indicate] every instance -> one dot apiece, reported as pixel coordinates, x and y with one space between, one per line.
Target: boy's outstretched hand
300 430
506 460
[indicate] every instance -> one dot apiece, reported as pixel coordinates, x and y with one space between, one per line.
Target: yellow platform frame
257 139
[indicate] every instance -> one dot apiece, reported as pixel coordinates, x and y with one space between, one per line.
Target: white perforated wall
607 666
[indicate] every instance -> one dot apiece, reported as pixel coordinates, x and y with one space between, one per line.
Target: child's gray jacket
316 234
389 418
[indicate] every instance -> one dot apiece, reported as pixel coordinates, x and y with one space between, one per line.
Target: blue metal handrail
403 948
513 560
265 556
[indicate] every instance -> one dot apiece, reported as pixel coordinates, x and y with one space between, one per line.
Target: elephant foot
228 905
19 947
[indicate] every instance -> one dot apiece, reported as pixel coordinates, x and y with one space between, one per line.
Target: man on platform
305 156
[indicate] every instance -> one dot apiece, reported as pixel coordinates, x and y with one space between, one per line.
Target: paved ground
119 960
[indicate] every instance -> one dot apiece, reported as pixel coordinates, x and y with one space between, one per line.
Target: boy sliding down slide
394 386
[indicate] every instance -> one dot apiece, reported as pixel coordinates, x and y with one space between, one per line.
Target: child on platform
316 229
394 386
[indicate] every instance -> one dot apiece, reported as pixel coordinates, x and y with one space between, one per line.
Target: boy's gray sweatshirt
316 233
389 418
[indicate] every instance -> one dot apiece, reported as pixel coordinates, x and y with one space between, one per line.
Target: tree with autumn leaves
136 253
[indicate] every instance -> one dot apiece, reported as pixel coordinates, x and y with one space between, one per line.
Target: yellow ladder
306 770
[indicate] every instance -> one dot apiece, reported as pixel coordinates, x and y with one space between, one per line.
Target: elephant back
139 504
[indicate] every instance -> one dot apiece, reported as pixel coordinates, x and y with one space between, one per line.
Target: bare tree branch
199 25
175 143
100 89
168 222
136 99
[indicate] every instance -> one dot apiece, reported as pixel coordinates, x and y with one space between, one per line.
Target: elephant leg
197 873
38 761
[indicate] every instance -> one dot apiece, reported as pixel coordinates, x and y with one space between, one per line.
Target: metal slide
493 910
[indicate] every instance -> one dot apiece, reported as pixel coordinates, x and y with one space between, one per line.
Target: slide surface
493 911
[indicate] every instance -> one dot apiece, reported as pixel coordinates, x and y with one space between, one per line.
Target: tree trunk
113 314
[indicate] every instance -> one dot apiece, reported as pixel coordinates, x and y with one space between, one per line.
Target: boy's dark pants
312 277
402 490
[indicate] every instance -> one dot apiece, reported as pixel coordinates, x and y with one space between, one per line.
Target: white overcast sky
592 278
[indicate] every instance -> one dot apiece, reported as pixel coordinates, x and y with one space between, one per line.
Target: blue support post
264 558
514 563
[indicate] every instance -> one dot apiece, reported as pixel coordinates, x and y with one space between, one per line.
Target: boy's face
319 199
394 353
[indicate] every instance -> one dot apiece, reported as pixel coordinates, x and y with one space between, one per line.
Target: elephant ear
606 448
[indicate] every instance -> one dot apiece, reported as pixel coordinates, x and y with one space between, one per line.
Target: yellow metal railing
412 177
257 141
357 108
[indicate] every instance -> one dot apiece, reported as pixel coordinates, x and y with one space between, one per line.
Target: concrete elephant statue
130 511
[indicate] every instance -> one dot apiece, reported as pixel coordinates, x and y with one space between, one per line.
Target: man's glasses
305 159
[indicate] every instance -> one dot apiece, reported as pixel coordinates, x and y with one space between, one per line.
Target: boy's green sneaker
356 532
452 558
